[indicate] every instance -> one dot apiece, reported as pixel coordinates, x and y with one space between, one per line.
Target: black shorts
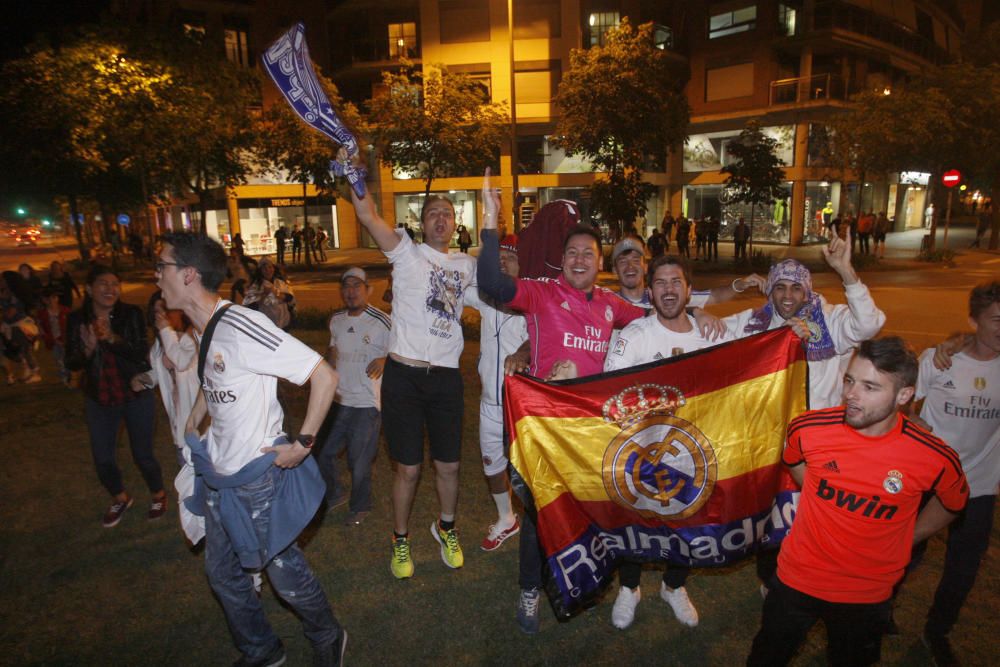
413 398
878 237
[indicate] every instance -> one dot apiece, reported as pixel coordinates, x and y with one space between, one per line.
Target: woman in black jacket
106 339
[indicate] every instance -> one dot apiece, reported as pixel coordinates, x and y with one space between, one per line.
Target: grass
74 593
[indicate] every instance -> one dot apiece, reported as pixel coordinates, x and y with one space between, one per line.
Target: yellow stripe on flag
746 430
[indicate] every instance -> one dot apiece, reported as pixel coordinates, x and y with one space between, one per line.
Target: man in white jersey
359 341
962 405
257 496
502 332
671 331
422 386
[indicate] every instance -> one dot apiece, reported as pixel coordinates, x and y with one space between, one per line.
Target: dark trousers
296 252
968 539
630 572
854 631
530 552
712 248
104 421
281 252
356 430
740 251
863 242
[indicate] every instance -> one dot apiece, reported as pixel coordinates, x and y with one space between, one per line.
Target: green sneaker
401 565
451 550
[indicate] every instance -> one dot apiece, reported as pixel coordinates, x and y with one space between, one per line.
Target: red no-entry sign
951 178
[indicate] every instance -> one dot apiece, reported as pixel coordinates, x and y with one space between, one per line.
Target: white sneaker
681 604
764 591
623 613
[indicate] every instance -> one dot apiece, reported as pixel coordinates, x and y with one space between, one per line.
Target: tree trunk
750 237
74 214
202 209
933 191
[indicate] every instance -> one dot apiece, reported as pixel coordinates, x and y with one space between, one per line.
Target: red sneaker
115 512
157 508
496 536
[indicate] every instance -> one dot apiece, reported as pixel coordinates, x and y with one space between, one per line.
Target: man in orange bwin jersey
863 468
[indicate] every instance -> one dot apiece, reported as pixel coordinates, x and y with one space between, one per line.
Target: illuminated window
732 22
786 19
600 23
236 47
402 40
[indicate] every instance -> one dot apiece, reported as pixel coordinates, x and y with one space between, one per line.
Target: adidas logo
949 385
566 306
831 466
350 330
657 356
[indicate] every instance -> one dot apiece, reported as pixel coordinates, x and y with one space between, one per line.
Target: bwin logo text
853 503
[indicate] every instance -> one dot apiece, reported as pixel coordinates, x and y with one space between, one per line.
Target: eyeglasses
159 266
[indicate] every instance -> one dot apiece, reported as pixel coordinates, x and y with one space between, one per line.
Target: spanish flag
677 460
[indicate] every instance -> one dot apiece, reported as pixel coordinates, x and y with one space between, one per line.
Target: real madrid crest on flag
659 465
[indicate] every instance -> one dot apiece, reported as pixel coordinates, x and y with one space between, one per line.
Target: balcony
838 15
807 89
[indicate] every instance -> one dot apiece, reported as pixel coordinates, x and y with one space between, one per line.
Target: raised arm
492 282
383 233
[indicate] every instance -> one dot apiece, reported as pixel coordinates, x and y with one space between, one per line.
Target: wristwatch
306 440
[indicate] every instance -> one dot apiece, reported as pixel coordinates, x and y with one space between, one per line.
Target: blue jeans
355 429
104 422
288 572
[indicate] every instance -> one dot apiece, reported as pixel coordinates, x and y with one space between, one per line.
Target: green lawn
74 593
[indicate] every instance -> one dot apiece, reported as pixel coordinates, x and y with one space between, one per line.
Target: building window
402 40
236 47
663 37
787 16
536 19
731 22
600 23
536 82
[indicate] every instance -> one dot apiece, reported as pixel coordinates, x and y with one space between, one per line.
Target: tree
941 120
435 123
286 144
755 174
617 105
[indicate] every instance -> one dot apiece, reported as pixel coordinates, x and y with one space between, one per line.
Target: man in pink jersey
570 320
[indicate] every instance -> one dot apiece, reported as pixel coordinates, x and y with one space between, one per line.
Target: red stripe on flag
563 520
730 363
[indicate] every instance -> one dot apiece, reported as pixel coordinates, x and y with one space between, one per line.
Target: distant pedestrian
683 237
51 320
239 247
280 238
33 285
712 239
667 227
18 330
296 244
879 232
700 238
741 233
655 243
866 225
464 239
321 237
63 283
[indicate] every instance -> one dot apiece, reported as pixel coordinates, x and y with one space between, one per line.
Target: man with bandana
833 332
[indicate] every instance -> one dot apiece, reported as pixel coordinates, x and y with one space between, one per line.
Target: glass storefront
408 207
822 207
260 218
771 224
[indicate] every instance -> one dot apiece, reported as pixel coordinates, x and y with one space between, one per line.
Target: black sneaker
940 649
331 655
891 629
272 659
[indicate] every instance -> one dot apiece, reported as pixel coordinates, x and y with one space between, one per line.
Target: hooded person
833 330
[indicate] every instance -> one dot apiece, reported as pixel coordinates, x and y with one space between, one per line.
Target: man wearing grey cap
359 342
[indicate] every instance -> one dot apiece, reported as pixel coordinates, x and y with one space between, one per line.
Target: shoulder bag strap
206 340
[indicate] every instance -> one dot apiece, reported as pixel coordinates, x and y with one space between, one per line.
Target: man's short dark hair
429 199
201 253
583 230
668 260
982 297
892 355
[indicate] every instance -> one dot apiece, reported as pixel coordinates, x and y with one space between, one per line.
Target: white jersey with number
428 294
962 405
359 339
245 358
646 340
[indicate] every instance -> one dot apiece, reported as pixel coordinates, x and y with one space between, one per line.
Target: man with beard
864 469
671 331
